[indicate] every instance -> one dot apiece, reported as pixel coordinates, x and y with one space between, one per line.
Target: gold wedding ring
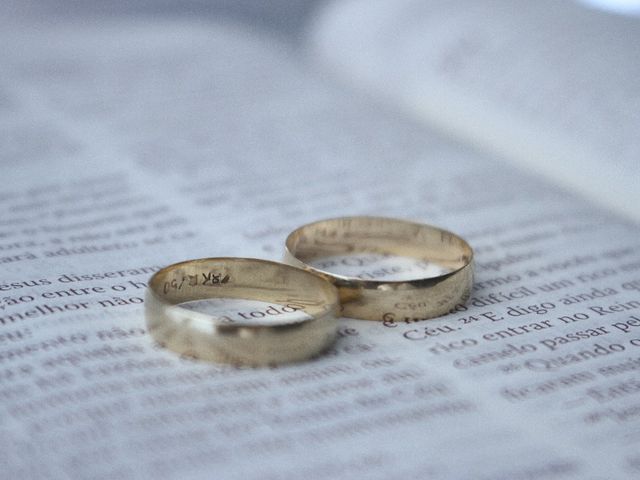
386 269
297 319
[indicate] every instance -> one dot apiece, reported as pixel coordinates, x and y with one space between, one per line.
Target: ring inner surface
376 249
247 292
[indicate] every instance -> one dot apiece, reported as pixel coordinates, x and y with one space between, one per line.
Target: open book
127 144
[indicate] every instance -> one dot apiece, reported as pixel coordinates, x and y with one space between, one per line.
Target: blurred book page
129 145
550 85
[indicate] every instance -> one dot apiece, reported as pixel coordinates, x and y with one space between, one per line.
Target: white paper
132 145
551 85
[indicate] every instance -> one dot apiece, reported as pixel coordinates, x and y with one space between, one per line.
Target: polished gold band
387 300
213 338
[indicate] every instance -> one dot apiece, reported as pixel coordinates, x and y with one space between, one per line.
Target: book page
551 85
129 145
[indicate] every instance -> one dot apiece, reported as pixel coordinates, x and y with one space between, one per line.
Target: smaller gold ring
415 271
309 327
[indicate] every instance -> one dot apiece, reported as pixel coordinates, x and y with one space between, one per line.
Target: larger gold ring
256 337
408 270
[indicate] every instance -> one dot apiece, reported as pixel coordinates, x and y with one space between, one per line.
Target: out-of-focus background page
551 85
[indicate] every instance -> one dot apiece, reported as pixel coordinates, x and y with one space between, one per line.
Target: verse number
481 316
